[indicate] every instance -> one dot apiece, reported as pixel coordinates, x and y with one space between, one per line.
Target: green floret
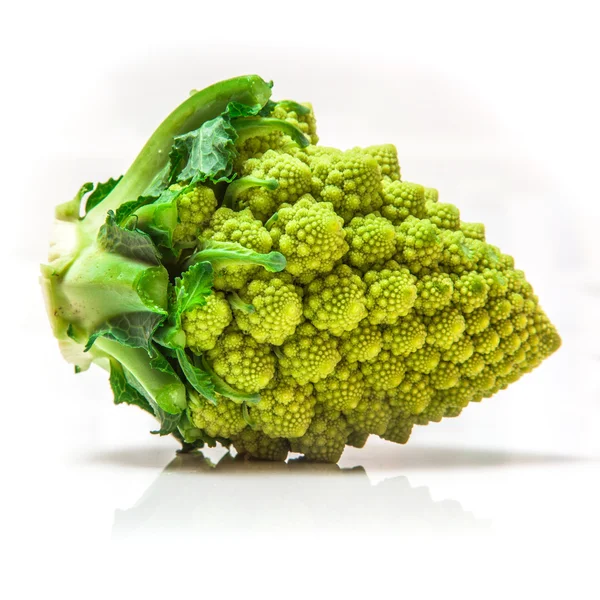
325 438
495 356
504 328
473 366
444 376
357 439
272 309
391 293
486 341
386 156
460 351
444 328
285 409
350 180
300 115
293 179
364 342
457 256
517 302
336 302
372 414
255 444
224 419
448 403
309 355
434 292
414 393
383 372
486 379
402 199
499 309
445 216
204 324
498 282
372 240
343 389
477 321
431 194
484 256
407 335
399 427
475 231
241 185
258 135
424 360
435 411
194 209
418 243
452 412
515 282
241 361
241 228
505 367
311 237
470 291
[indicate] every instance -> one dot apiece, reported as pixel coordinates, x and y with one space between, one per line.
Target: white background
496 105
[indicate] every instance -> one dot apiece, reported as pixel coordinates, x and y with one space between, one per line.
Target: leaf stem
236 187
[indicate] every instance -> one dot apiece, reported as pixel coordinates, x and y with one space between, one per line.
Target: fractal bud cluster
249 287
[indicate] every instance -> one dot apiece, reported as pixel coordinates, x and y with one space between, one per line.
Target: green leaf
271 221
199 379
238 304
191 289
291 105
164 217
131 244
267 109
226 254
189 432
208 153
168 422
130 329
102 190
123 392
194 286
235 188
127 210
69 211
247 128
126 393
159 363
246 415
159 216
237 109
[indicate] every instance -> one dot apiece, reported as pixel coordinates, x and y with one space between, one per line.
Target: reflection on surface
416 457
194 496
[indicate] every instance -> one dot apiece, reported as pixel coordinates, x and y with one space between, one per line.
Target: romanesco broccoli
247 286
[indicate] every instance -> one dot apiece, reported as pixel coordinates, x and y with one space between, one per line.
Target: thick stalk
100 285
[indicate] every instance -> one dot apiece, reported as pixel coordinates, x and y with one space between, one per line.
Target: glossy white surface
493 103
